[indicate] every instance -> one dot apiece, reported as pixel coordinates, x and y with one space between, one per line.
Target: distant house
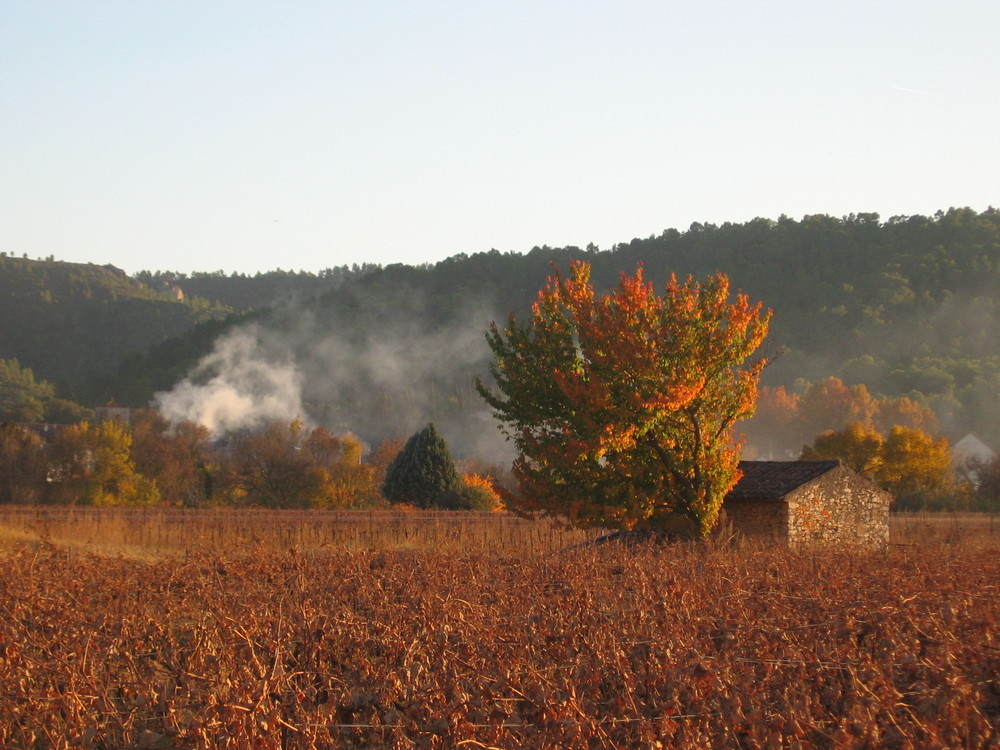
799 502
112 412
968 458
972 447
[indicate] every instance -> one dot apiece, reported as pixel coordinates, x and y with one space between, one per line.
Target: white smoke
377 381
243 383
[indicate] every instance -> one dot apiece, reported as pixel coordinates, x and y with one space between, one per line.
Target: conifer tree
423 473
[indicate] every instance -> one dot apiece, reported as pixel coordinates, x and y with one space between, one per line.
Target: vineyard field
519 639
151 534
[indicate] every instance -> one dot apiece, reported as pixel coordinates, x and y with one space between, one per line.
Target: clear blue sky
250 135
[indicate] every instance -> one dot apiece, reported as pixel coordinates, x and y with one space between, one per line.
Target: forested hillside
907 306
72 322
263 289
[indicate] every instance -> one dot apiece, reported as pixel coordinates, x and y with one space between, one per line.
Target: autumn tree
347 482
175 456
904 412
287 465
785 420
23 466
622 406
92 465
479 492
858 446
268 468
914 462
908 462
830 404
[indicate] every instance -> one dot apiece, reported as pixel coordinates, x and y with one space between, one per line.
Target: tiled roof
772 480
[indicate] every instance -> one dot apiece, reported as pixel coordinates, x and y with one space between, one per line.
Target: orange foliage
785 420
484 484
906 461
622 406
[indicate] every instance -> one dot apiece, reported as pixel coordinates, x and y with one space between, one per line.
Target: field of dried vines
589 647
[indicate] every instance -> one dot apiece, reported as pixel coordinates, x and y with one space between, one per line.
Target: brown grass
949 529
253 630
157 533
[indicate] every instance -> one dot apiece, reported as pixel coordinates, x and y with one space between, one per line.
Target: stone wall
766 519
841 507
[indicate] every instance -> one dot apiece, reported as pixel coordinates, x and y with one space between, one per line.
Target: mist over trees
907 306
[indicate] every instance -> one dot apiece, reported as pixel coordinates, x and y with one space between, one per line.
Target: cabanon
808 502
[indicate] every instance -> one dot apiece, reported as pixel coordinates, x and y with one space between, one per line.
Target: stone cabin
797 502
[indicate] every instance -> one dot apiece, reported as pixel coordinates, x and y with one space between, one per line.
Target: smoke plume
378 379
243 383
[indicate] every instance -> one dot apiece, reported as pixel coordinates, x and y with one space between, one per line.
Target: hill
242 292
71 323
908 306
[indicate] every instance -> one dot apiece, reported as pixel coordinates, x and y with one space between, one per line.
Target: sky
203 135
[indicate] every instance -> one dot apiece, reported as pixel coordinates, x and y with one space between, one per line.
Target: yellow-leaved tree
859 446
92 465
908 462
913 461
622 406
290 466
